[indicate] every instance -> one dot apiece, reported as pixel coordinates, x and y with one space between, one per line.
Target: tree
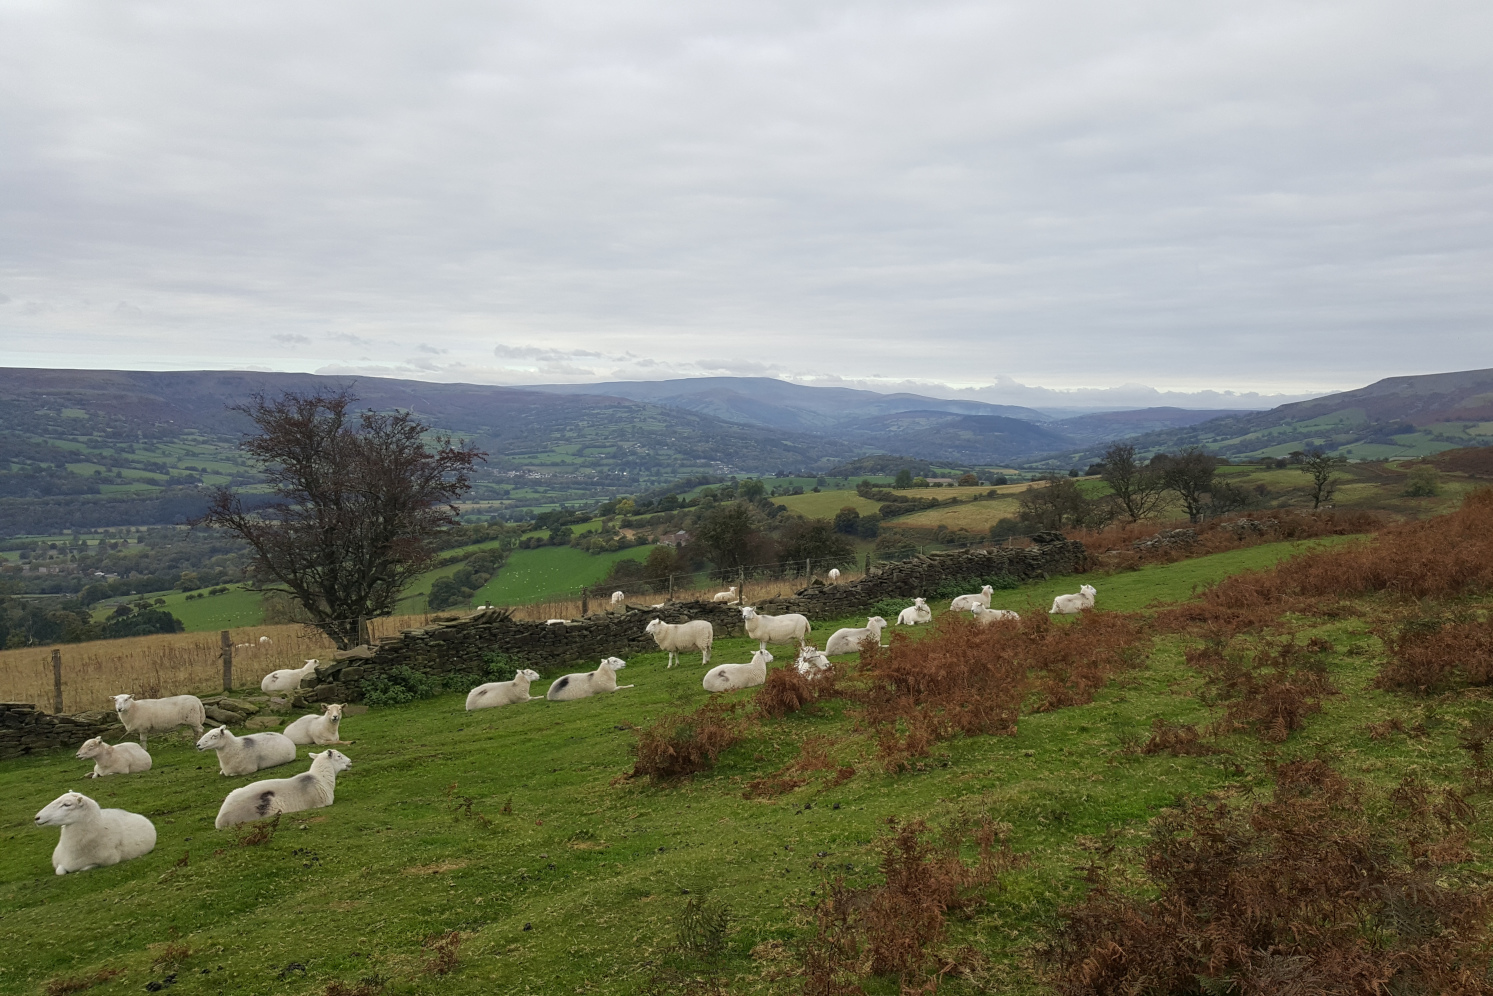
1320 466
359 501
1138 488
968 480
904 479
1061 504
816 540
1189 475
848 520
729 535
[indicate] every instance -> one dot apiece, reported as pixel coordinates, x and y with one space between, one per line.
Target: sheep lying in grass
94 837
144 716
287 679
789 628
501 693
915 614
557 622
313 789
985 616
588 683
730 677
845 641
966 603
834 575
729 595
617 597
811 663
246 755
1067 605
315 729
121 759
678 638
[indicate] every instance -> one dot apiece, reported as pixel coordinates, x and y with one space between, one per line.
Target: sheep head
339 761
122 702
91 748
334 713
69 807
213 739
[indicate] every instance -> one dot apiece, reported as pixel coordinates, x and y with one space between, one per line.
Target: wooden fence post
671 587
868 562
585 602
57 681
741 587
227 642
362 631
808 570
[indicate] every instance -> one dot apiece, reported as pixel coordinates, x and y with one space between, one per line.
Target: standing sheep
121 759
834 575
315 729
725 596
789 628
501 693
915 614
730 677
966 603
617 597
287 679
584 685
313 789
246 755
677 638
1067 605
144 716
94 837
846 641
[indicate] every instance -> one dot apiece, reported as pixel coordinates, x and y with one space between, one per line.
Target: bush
965 586
399 685
145 622
785 691
677 746
1271 691
1422 482
1434 655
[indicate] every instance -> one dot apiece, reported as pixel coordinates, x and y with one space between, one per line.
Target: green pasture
550 572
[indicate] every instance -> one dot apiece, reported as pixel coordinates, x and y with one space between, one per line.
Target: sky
1215 204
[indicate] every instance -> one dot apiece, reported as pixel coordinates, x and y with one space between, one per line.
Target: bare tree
1138 488
1189 475
359 499
1062 504
1320 465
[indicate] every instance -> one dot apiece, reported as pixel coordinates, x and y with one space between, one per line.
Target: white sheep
501 693
846 641
986 616
144 716
1067 605
834 575
121 759
915 614
260 800
811 662
789 628
246 755
94 837
265 641
287 679
677 638
557 622
725 596
588 683
966 603
730 677
314 729
617 597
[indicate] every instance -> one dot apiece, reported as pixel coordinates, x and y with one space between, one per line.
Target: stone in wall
25 729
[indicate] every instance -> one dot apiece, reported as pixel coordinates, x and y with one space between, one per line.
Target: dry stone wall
25 729
456 646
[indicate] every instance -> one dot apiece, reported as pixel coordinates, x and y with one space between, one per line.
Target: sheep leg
142 741
620 687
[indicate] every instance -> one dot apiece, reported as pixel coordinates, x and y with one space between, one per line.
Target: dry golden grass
756 591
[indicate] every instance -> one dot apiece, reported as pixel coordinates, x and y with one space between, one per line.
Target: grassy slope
535 575
596 869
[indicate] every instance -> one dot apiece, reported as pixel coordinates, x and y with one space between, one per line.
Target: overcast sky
1276 197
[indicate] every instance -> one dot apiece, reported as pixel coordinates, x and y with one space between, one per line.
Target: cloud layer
1280 197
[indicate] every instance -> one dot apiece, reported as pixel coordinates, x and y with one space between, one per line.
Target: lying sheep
677 638
557 622
725 596
260 800
586 684
246 755
966 603
834 575
1067 605
846 641
287 679
730 677
915 614
501 693
985 616
788 628
94 837
121 759
144 716
315 729
811 663
617 597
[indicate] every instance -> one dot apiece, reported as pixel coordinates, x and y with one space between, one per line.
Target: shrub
677 746
962 586
785 691
399 685
1434 655
1422 482
1175 739
1271 691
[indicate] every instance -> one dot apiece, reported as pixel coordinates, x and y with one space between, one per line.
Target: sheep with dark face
94 837
313 789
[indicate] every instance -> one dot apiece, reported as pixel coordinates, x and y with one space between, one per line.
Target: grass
539 574
559 881
235 608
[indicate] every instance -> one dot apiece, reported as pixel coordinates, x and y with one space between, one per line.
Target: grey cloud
291 339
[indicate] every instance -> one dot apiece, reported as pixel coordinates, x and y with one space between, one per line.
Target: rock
351 674
264 722
224 716
278 705
238 705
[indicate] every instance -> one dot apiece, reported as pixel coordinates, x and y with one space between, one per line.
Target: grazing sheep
94 837
834 575
845 641
730 677
811 663
144 716
966 603
265 641
617 597
501 693
789 628
677 638
260 800
315 729
588 683
287 679
1067 605
725 596
985 616
915 614
121 759
246 755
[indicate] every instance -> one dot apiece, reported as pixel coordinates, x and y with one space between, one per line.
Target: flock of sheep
93 837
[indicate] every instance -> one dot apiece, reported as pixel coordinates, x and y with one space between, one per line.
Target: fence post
868 562
362 631
808 570
57 680
741 587
671 587
227 642
585 602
